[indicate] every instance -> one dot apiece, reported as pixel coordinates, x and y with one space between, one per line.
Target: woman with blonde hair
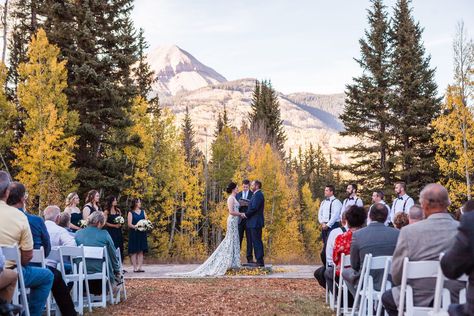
72 200
92 204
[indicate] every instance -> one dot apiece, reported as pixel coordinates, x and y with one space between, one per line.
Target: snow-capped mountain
177 70
183 81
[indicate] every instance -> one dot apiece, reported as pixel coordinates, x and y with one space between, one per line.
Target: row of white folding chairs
77 257
368 296
442 296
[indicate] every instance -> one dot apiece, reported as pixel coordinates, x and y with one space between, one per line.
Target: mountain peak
177 70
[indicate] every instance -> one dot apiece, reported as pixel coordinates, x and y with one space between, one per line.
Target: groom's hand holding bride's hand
243 215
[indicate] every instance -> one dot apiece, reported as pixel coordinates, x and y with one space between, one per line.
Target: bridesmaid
137 242
92 204
72 200
111 212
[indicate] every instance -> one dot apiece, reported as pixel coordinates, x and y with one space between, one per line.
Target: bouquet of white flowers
119 220
144 225
82 223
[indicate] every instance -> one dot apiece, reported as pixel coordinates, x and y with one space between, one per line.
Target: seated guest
7 280
400 220
376 239
356 218
14 229
421 241
17 198
41 238
94 236
64 221
59 236
468 207
415 214
458 260
328 271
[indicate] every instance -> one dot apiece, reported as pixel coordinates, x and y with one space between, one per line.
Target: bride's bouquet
144 225
119 220
82 223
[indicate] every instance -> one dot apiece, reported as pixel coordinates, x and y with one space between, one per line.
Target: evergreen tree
98 40
265 118
191 152
45 153
415 103
367 112
144 75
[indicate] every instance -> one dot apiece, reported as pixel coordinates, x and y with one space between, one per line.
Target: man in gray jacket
421 241
377 239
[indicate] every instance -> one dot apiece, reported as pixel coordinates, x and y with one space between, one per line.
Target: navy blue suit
243 226
255 222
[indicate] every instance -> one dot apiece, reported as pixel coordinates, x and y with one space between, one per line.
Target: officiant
244 197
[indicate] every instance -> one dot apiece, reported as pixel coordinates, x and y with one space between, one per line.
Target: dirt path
221 296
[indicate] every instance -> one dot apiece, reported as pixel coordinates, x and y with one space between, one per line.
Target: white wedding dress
227 255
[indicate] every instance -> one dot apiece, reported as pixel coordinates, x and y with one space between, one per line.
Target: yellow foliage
454 136
44 154
281 235
7 114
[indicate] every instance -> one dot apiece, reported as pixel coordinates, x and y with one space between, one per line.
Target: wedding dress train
226 255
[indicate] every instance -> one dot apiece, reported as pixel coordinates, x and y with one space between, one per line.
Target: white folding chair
12 253
360 287
369 294
39 258
415 270
122 288
442 298
78 276
386 284
343 291
100 253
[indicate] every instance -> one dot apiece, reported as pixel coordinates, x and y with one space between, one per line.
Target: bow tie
351 198
400 198
327 199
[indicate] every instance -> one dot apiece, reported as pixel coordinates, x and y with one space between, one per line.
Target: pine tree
144 75
415 103
98 40
45 153
265 118
367 112
189 144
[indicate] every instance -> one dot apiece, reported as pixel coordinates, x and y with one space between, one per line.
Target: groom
255 220
244 198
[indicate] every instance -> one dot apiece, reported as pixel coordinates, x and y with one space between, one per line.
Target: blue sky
301 45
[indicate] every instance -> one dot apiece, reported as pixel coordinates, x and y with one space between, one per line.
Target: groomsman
403 202
329 215
244 197
352 198
378 197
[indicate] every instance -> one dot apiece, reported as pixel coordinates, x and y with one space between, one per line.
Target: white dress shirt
329 211
401 204
245 195
388 213
330 244
59 236
349 202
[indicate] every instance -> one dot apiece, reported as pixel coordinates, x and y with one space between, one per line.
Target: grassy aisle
221 297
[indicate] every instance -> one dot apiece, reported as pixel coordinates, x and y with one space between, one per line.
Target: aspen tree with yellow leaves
45 151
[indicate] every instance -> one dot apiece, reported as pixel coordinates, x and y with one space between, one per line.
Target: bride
227 255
